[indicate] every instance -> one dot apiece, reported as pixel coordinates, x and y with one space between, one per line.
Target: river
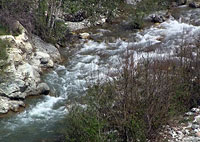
96 59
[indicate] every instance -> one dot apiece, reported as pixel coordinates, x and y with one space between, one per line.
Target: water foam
95 61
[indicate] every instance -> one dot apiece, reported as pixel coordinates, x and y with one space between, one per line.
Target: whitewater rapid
95 61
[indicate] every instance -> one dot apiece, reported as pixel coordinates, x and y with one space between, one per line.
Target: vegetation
140 100
4 30
3 54
135 105
144 8
43 17
92 8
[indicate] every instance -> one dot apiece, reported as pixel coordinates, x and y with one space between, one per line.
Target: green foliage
3 54
4 30
93 8
137 128
144 8
47 27
134 106
3 47
59 31
84 124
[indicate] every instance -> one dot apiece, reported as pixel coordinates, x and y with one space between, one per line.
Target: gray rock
40 89
133 2
195 126
158 18
197 119
73 26
42 46
194 4
6 89
6 104
43 88
189 113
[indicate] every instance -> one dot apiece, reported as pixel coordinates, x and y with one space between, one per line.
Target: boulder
27 72
13 89
15 55
73 26
41 55
158 18
40 89
194 4
84 35
6 104
47 48
43 88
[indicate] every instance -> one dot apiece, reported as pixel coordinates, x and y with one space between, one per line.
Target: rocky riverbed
27 58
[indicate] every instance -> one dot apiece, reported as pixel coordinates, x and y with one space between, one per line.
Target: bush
92 8
144 8
134 106
4 30
3 54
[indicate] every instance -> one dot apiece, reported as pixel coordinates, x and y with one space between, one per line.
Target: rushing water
94 61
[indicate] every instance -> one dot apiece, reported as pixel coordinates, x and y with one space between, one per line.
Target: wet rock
84 35
43 88
195 110
189 113
6 104
26 59
158 18
195 126
194 4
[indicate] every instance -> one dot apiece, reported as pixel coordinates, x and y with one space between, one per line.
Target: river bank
27 57
95 58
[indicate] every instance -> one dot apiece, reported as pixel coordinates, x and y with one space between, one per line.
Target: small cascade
95 61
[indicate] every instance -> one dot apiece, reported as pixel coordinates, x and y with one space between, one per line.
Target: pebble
188 131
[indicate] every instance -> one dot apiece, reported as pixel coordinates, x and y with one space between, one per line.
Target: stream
97 59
